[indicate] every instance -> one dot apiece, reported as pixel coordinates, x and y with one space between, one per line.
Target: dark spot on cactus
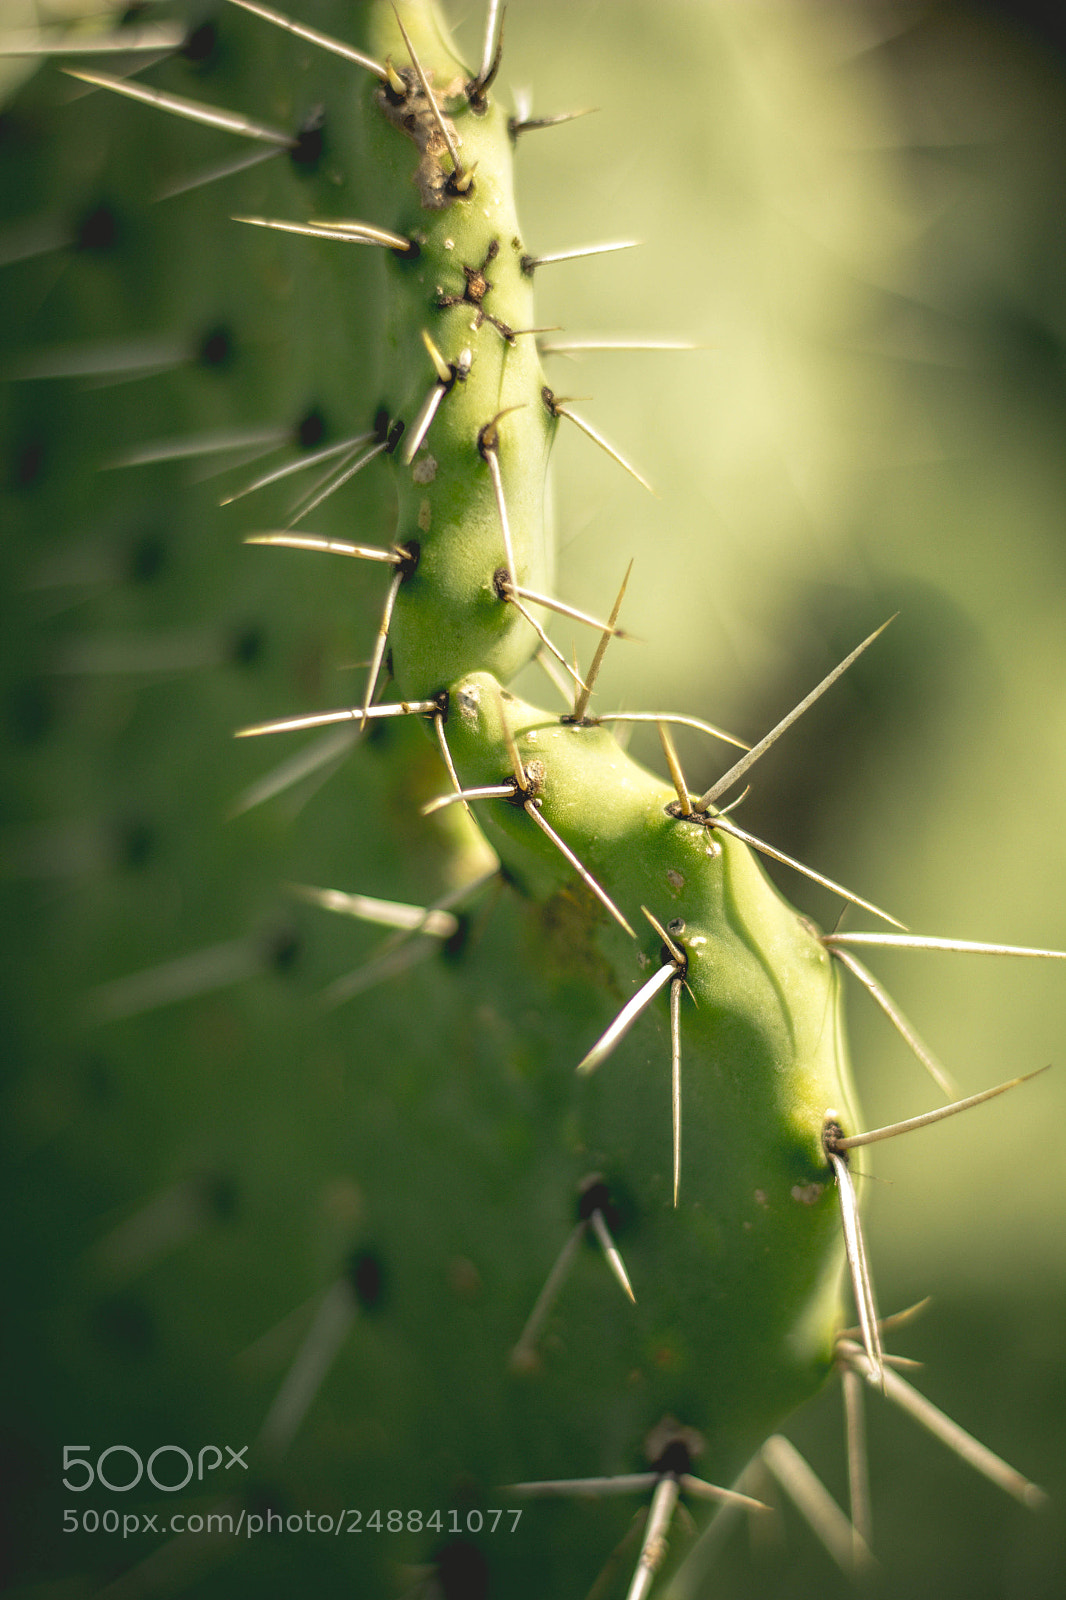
96 230
444 704
218 1191
462 1571
135 842
146 559
395 96
309 143
395 434
31 711
410 554
702 819
380 734
311 429
200 44
216 348
667 958
247 646
671 1448
594 1193
676 925
535 772
29 462
832 1133
366 1274
456 943
124 1326
282 950
262 1499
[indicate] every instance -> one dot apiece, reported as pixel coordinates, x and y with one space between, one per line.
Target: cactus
438 1259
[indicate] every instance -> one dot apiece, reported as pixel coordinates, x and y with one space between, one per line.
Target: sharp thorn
654 1546
681 721
192 110
855 1248
944 1082
712 1491
551 604
547 665
336 481
382 913
855 1140
610 1250
818 1508
546 643
322 719
492 462
420 426
680 959
582 701
569 347
101 359
532 810
305 1377
523 1356
898 1319
446 755
345 447
961 1443
380 641
597 438
915 941
729 778
215 174
588 1488
518 126
677 776
346 232
339 547
859 1502
625 1019
808 872
460 179
488 791
675 1079
329 751
491 51
160 37
394 961
200 444
324 40
202 972
531 263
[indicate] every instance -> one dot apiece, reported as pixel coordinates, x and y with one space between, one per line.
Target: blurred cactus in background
239 1216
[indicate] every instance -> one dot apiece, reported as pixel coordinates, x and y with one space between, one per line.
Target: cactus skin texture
386 1186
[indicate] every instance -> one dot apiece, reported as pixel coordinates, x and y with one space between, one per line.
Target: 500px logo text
169 1467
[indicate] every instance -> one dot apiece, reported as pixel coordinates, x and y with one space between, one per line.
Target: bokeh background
856 211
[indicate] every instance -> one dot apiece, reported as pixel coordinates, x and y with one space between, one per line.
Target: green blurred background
858 212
